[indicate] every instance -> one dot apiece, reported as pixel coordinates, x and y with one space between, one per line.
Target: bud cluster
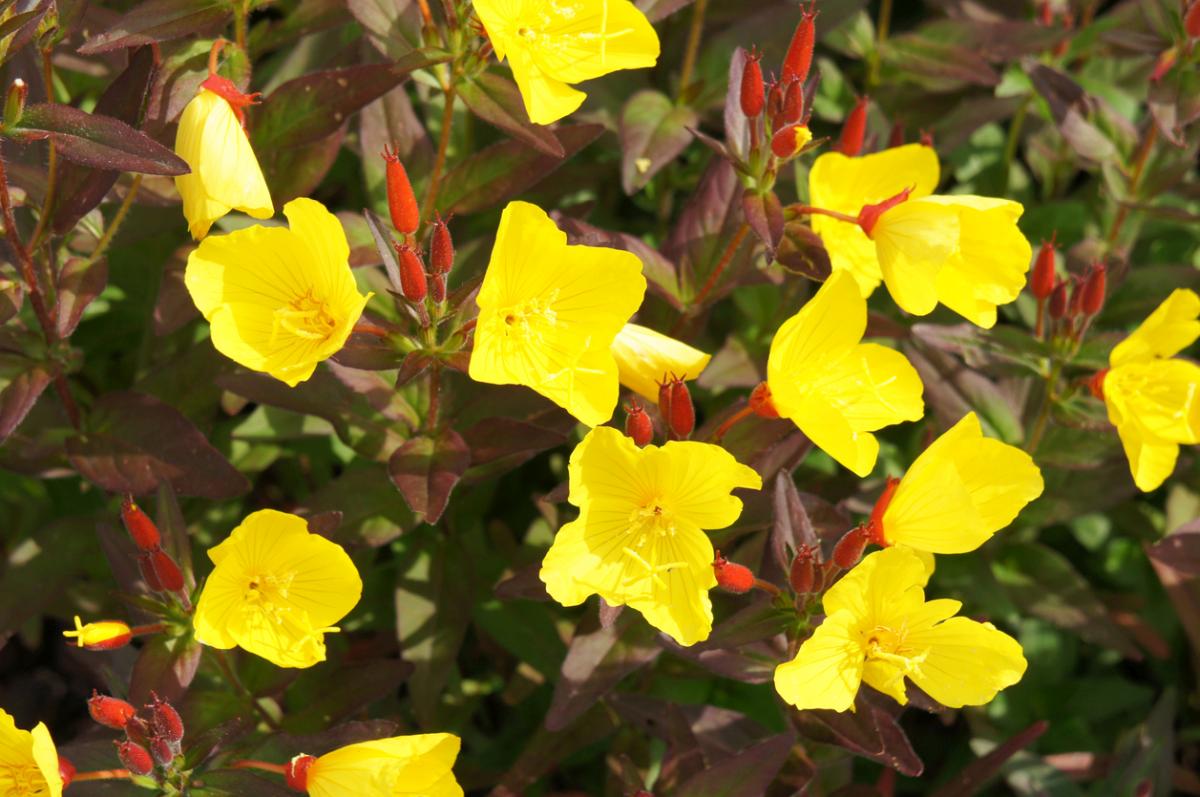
778 108
1072 302
152 736
159 570
416 282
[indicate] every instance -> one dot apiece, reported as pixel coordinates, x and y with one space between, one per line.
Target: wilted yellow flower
224 172
548 314
276 590
958 493
639 539
835 388
1152 397
403 765
104 635
279 300
646 358
28 761
879 628
550 43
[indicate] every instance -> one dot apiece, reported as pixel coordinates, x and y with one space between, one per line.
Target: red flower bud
441 248
160 571
402 203
1058 300
675 405
1041 281
135 758
1096 383
296 774
753 95
146 567
66 771
803 571
164 752
869 216
788 141
1094 288
798 60
138 730
165 719
896 136
225 88
761 403
849 548
732 577
1045 13
775 101
1191 20
111 712
793 103
638 424
139 525
854 129
412 274
1076 306
437 287
927 138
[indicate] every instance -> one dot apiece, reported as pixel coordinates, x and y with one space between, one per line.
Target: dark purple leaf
653 131
706 228
510 440
176 542
803 252
19 396
367 352
97 141
973 777
425 470
79 282
393 26
936 66
868 731
385 244
352 687
412 366
523 584
325 524
737 126
1070 107
165 666
497 100
158 21
174 307
1175 103
297 171
1180 549
134 442
764 214
792 528
239 782
609 613
22 27
748 773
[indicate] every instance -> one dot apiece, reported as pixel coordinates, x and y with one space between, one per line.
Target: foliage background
454 632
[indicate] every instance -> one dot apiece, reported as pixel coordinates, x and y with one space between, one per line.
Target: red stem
266 766
810 210
726 257
744 412
100 774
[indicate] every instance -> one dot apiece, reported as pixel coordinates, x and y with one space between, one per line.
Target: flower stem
810 210
1039 424
241 15
435 392
768 587
146 630
233 680
52 163
1135 179
117 220
439 161
744 412
100 774
693 45
722 264
266 766
1013 141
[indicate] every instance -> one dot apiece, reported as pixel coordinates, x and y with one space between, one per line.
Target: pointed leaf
747 773
98 141
653 131
868 731
801 251
1180 549
497 101
165 666
19 395
159 21
764 214
737 126
973 777
79 282
425 470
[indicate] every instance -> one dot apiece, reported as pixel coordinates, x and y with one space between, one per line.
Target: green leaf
653 131
97 141
497 101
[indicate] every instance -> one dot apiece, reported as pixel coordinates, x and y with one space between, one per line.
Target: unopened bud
731 576
14 103
139 525
66 771
761 402
165 719
111 712
774 101
854 130
896 136
412 274
146 567
675 405
437 287
849 548
788 142
1162 65
136 758
802 573
296 773
1096 383
638 425
441 248
139 731
753 94
1191 20
402 202
104 635
1058 300
160 571
1045 13
798 60
869 216
793 103
164 752
927 138
1041 282
1076 306
1094 288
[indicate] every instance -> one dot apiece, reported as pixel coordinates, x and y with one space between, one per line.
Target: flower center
649 522
889 646
305 317
530 320
267 593
22 780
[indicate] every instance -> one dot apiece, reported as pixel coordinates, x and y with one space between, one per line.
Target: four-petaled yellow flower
279 300
879 628
550 43
548 314
1153 398
276 590
224 173
28 761
958 493
835 388
646 359
639 539
403 765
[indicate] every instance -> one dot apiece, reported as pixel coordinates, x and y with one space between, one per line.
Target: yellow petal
914 241
1173 326
31 757
966 662
646 358
885 585
45 756
1151 460
546 99
403 765
1160 397
828 668
224 174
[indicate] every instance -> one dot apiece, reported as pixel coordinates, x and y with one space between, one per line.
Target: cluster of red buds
152 737
1073 302
158 569
806 575
416 282
781 103
1048 16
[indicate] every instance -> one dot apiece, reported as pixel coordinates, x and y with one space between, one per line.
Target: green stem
693 45
115 224
1013 141
231 677
1039 424
882 28
1135 179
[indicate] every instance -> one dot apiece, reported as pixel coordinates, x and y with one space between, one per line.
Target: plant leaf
497 101
96 140
19 396
159 21
747 773
425 470
79 283
653 131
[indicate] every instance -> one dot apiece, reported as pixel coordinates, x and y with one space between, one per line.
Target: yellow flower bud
104 635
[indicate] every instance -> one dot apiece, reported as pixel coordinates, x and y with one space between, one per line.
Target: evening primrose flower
834 387
276 590
639 539
412 765
1153 398
224 175
646 359
28 761
548 314
550 43
958 493
279 300
879 628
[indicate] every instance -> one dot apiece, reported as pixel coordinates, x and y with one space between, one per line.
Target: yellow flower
279 300
104 635
276 590
879 628
646 358
1152 397
225 174
835 388
958 493
403 765
28 761
639 539
550 43
548 314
